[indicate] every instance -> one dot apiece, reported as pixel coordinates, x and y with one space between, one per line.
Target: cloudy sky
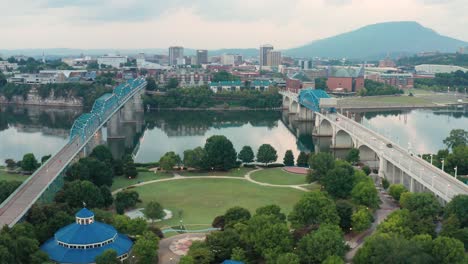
209 24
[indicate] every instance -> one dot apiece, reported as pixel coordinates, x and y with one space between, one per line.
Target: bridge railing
35 185
432 177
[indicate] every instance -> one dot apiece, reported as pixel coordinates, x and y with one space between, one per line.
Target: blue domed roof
84 213
59 254
85 234
85 239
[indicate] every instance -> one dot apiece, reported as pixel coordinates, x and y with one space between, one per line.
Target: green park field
236 172
200 200
278 176
5 176
143 176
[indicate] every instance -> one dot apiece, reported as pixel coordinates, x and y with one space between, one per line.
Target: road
22 199
439 182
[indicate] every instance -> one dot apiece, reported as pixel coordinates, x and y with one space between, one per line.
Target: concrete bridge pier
305 114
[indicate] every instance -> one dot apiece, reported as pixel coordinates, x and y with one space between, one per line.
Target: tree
353 156
302 159
3 79
125 199
338 182
29 162
390 248
458 159
266 154
246 154
169 160
238 254
200 253
45 158
457 137
77 192
102 153
313 208
448 250
10 164
385 183
186 260
220 153
146 248
321 84
317 246
320 164
7 188
334 259
236 214
224 76
361 219
288 159
154 210
193 157
172 83
106 196
345 210
366 169
268 236
423 205
273 210
222 243
365 193
398 222
288 258
151 84
91 169
395 190
129 168
107 257
458 207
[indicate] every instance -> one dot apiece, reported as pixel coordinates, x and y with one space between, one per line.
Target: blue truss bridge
15 207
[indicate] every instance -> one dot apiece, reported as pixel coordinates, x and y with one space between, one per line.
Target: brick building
349 79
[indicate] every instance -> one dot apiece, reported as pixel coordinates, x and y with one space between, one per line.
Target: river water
44 131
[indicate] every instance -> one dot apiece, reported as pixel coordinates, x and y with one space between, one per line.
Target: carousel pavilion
85 239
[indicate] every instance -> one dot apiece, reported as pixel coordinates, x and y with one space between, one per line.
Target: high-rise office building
202 57
175 54
263 54
273 58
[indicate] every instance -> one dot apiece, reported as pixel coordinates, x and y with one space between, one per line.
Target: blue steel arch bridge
48 177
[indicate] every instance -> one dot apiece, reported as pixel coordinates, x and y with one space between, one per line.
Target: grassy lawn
278 176
236 172
313 187
5 176
381 101
203 199
121 182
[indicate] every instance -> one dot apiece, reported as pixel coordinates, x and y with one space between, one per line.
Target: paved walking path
246 177
387 207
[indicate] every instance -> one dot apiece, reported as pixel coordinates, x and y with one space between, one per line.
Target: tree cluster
265 236
378 88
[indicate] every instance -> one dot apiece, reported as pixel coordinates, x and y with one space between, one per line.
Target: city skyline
89 25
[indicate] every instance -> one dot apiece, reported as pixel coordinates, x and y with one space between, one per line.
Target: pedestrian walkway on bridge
15 207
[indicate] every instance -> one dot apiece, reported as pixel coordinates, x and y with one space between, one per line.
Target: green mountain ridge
377 40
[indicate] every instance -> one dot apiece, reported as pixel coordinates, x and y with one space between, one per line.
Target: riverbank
233 108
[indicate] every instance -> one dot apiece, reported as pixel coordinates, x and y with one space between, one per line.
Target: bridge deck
22 199
19 202
439 182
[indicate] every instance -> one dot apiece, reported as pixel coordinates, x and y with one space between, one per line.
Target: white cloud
210 23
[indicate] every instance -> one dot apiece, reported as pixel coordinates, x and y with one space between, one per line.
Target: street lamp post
431 158
456 169
443 163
